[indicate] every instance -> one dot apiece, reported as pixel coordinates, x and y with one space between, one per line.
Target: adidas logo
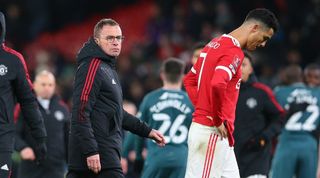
113 82
5 167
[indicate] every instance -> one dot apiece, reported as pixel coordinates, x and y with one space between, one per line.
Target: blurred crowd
173 29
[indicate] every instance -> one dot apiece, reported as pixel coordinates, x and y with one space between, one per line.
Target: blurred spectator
258 122
169 110
196 51
128 154
56 120
296 152
312 75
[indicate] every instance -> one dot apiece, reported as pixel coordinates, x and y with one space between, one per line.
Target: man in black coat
97 114
16 86
258 121
56 120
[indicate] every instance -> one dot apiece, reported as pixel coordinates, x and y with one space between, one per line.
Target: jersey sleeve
226 68
229 63
134 125
191 81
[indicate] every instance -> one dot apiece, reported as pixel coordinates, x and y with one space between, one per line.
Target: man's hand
27 154
157 137
223 132
93 163
124 165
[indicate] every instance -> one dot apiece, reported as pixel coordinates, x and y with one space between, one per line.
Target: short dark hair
173 69
101 24
292 74
312 66
265 16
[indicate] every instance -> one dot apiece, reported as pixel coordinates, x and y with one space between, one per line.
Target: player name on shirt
170 100
301 96
159 106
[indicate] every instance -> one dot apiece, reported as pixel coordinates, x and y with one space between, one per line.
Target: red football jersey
214 81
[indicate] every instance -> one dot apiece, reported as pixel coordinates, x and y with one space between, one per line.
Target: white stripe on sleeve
193 70
225 69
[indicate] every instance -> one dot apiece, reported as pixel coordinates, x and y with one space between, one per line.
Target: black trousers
104 173
5 164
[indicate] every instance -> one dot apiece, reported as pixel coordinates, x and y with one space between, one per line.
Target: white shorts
209 156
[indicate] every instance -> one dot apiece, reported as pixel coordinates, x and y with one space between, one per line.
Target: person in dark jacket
97 113
258 121
16 86
56 119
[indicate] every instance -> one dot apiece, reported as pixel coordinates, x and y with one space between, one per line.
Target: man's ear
251 70
96 40
162 77
255 27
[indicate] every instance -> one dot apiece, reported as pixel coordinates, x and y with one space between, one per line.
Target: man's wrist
91 154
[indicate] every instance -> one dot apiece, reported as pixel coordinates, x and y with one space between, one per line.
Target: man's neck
240 35
170 86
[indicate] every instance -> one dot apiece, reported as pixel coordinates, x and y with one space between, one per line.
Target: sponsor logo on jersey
3 70
167 95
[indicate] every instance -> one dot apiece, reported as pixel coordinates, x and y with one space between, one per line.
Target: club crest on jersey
251 103
3 70
59 115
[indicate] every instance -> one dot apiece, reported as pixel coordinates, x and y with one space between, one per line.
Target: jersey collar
298 84
234 40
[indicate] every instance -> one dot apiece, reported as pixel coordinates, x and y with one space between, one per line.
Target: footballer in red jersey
213 86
